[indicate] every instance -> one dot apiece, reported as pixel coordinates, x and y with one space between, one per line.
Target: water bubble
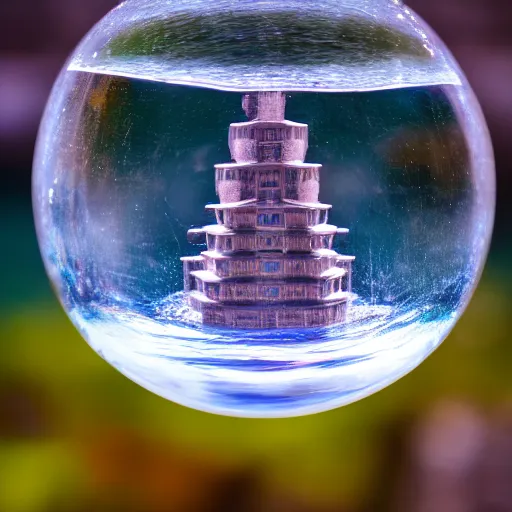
263 209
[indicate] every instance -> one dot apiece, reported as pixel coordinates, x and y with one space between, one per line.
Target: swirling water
272 373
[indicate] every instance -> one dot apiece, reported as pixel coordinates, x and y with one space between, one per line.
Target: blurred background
75 435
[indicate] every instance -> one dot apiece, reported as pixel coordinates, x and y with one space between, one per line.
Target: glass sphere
263 208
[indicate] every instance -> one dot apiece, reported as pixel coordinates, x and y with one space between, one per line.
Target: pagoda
269 261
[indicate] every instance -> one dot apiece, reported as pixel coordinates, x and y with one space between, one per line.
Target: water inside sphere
263 209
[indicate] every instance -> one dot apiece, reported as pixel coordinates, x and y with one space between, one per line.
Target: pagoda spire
264 106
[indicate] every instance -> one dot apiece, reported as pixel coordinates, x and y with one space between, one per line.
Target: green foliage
35 475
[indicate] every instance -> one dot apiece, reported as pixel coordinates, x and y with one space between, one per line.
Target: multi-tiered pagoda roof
269 261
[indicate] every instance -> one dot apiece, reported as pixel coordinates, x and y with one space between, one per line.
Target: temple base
269 316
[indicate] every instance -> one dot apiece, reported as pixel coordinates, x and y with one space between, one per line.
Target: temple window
270 134
269 219
271 267
269 179
272 291
291 175
271 151
231 174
